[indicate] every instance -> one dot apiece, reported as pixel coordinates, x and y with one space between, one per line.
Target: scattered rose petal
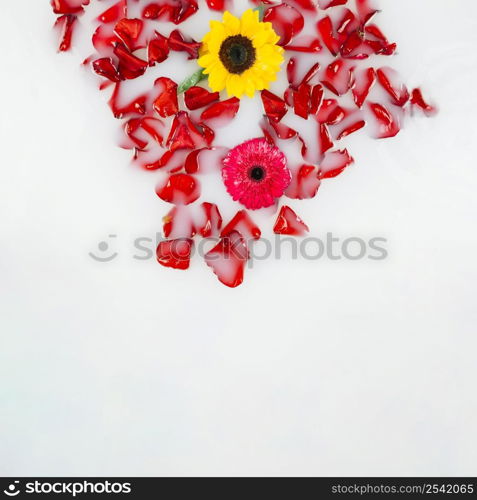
228 258
243 224
289 223
334 163
175 253
180 189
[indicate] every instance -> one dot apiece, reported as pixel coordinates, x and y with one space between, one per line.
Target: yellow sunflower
240 55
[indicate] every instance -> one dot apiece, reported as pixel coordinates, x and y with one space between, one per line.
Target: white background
311 367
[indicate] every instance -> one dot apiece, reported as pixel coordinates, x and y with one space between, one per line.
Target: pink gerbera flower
255 173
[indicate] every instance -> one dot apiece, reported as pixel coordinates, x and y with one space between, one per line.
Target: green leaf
261 10
191 80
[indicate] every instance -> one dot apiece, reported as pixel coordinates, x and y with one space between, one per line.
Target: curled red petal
334 163
174 11
105 67
302 100
66 24
180 189
129 66
244 225
179 223
175 253
181 43
165 104
228 258
136 106
68 6
275 107
158 49
222 112
289 223
304 43
198 97
129 31
326 4
114 13
390 81
185 134
388 124
305 183
210 221
286 21
364 81
338 77
418 100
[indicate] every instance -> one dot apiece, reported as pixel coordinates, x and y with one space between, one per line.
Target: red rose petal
198 97
129 31
334 163
180 189
158 49
179 223
182 43
174 11
175 253
129 66
114 13
286 21
302 100
388 124
243 224
390 81
165 104
305 43
205 160
305 183
134 107
417 99
221 113
210 220
66 25
326 4
68 6
365 80
228 258
216 4
105 67
275 107
338 77
184 134
289 223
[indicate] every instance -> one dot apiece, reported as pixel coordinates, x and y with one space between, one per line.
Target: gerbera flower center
237 54
257 173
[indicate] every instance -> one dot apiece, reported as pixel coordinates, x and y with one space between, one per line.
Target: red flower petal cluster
331 88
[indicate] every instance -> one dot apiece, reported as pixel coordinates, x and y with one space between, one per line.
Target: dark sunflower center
257 173
237 54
